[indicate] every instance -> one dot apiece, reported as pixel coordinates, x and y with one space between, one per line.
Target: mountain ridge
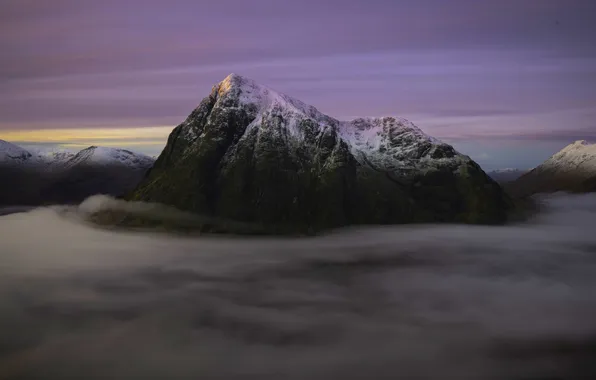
64 177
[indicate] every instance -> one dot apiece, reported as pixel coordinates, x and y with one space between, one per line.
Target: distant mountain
572 169
53 157
250 154
98 170
506 175
11 154
63 177
101 156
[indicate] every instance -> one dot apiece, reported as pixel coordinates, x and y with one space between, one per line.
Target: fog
415 302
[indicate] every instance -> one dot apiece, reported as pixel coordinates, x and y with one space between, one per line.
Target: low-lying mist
410 302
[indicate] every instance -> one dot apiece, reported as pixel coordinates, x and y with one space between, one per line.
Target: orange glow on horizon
90 136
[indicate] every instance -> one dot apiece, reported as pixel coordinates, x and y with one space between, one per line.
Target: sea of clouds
415 302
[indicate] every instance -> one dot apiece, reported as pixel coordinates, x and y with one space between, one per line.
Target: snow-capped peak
249 92
579 156
11 153
383 140
95 155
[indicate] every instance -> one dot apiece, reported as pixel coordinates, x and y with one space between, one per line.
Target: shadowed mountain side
22 186
78 183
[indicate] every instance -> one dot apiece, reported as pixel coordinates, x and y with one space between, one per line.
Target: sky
508 82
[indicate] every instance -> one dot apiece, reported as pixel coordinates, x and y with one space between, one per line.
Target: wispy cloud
462 69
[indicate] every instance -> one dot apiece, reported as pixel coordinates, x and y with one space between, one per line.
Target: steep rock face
571 169
247 153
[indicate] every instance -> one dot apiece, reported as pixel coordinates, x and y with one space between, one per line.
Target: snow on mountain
579 157
13 154
571 169
102 156
393 143
46 175
51 156
260 100
388 143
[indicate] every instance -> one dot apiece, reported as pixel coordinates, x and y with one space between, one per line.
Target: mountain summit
248 153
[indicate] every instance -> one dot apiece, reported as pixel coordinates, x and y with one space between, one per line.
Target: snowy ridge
579 158
261 100
102 156
392 143
13 154
52 156
384 142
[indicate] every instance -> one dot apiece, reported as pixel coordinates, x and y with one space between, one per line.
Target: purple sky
506 81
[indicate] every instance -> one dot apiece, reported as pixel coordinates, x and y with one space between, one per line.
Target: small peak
581 142
229 82
232 77
235 81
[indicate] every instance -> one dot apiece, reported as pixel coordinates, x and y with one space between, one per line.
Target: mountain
506 175
250 154
572 169
11 154
64 177
98 170
101 156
